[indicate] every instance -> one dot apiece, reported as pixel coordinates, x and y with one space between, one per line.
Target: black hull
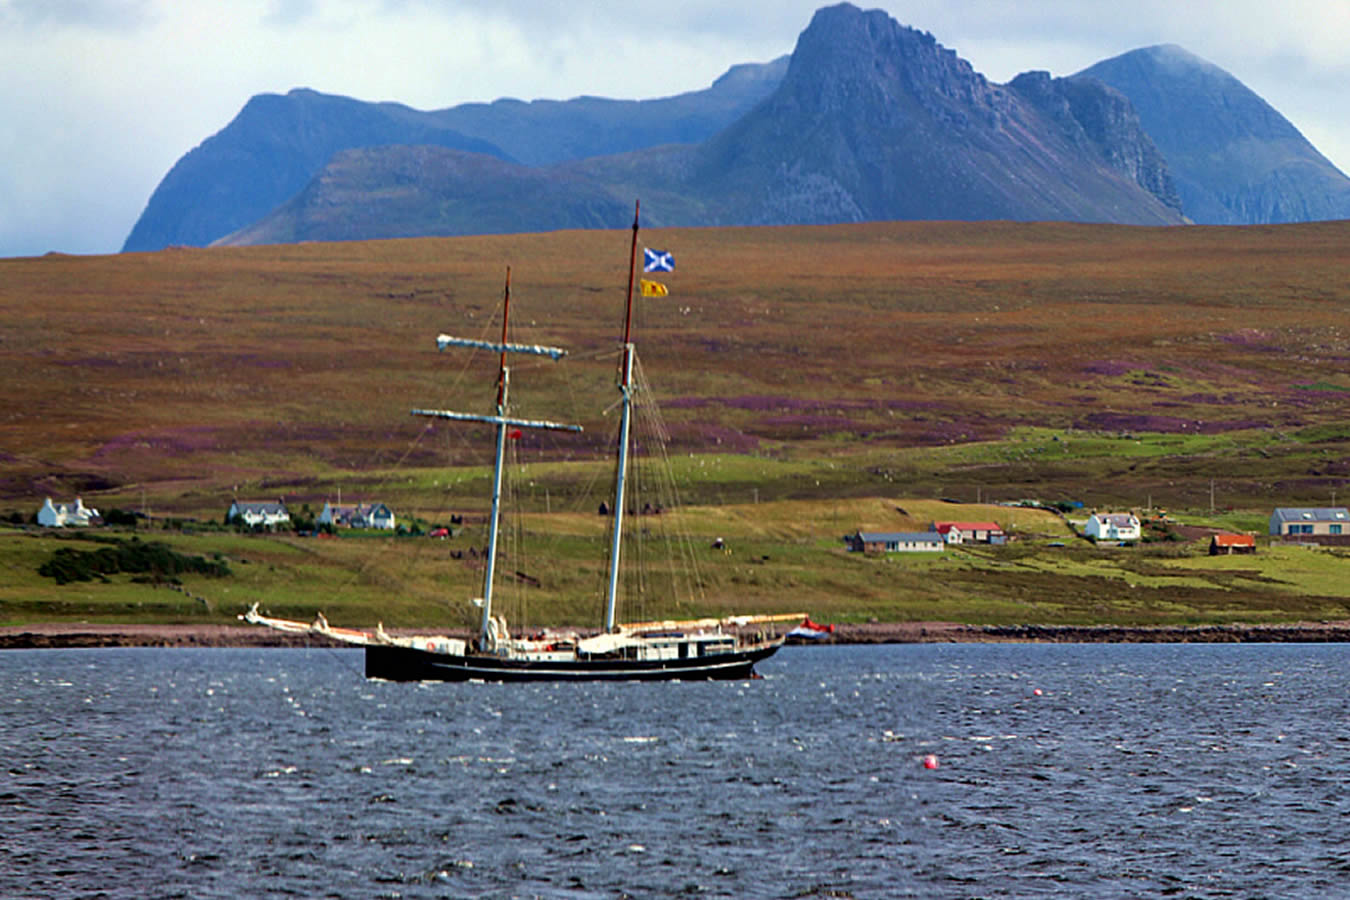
408 664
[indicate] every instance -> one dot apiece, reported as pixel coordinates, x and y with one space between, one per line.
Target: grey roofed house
1310 520
896 542
266 514
358 515
1113 527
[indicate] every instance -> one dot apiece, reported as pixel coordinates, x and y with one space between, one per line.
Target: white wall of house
917 546
913 542
48 517
62 515
897 542
268 515
381 516
1113 527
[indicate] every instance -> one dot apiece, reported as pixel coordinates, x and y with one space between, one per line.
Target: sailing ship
663 650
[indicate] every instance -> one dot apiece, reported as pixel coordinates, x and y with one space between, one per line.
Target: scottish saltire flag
657 261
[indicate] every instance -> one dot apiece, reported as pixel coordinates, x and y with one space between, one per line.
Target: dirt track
78 635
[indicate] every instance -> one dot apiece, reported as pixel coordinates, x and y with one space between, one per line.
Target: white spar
445 340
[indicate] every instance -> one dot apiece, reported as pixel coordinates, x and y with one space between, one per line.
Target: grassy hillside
784 556
985 362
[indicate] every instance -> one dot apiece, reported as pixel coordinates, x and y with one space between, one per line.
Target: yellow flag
652 288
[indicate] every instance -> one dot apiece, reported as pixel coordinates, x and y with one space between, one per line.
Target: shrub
157 561
117 516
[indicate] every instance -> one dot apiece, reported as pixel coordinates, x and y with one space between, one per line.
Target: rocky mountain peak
848 59
1093 115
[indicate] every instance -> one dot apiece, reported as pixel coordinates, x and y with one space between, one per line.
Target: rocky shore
82 635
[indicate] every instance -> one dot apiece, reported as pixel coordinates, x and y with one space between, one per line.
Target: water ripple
1058 771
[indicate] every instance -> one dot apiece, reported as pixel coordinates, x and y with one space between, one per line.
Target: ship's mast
504 423
625 425
503 380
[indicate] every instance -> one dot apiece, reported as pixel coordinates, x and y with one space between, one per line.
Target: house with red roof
1225 544
971 532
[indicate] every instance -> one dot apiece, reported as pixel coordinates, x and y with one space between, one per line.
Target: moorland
814 381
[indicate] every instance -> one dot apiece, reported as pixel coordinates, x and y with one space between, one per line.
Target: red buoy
930 761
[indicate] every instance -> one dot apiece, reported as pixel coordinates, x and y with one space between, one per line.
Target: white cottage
62 515
265 515
1113 527
971 532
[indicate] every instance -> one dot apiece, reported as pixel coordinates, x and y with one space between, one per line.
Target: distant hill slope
389 192
268 152
872 121
277 144
1235 159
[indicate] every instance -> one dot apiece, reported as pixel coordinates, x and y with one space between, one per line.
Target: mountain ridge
867 119
871 121
277 143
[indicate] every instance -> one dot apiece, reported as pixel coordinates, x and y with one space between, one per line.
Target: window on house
1335 529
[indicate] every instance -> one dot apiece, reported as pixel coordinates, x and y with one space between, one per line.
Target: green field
784 556
803 373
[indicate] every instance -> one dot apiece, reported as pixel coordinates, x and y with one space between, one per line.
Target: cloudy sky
98 98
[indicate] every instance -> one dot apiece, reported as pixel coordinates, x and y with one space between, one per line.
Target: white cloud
104 15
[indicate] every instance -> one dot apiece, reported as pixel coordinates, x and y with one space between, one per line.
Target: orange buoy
1036 692
930 761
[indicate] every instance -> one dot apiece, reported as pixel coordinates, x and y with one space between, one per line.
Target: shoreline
67 635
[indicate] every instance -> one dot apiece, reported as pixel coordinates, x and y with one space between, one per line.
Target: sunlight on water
863 772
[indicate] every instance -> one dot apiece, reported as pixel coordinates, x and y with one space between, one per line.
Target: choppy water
1138 771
